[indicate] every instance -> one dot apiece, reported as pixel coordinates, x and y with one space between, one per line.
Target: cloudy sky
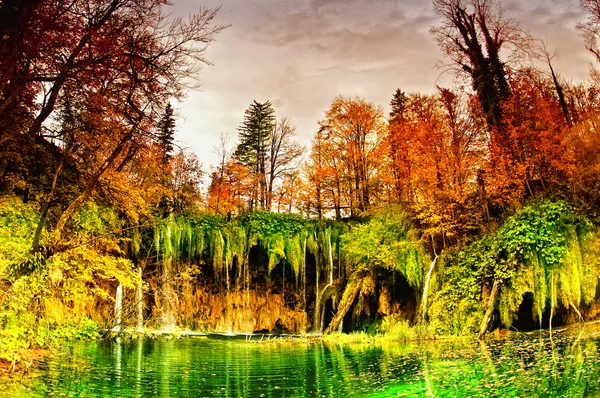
300 54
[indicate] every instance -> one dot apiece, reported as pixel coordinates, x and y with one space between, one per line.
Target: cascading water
317 314
330 257
304 275
212 276
139 296
426 288
168 318
229 307
118 308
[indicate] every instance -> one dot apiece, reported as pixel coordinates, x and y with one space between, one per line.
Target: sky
301 54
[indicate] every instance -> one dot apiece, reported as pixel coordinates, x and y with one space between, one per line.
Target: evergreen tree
398 103
166 133
253 148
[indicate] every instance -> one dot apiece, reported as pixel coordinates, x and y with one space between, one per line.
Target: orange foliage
347 160
230 188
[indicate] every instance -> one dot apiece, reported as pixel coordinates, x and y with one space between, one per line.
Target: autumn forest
472 209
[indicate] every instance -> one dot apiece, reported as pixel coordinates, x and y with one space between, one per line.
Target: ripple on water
527 365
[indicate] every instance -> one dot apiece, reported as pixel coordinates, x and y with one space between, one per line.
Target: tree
286 196
231 187
283 155
314 171
217 176
253 148
166 133
473 34
351 148
398 142
591 28
435 149
186 181
117 63
538 156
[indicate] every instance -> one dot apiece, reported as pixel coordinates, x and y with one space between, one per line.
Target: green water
525 365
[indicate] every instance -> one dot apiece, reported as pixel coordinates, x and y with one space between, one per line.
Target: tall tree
316 174
354 130
217 177
473 34
186 181
253 148
398 141
117 62
591 28
231 185
284 154
166 133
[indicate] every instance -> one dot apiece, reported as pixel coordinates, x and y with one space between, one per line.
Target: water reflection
568 364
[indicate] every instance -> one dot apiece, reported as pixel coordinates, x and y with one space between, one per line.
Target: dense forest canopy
473 198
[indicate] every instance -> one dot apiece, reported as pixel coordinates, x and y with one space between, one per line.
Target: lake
533 364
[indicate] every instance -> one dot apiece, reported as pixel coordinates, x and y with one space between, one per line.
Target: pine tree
398 104
166 133
253 148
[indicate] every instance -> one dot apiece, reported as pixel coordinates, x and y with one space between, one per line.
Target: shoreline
29 359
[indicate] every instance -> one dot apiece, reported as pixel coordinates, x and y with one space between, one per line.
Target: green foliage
61 298
456 297
255 134
276 249
214 241
266 224
544 249
94 220
388 241
17 225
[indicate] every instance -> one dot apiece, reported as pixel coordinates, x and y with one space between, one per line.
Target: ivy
388 241
540 249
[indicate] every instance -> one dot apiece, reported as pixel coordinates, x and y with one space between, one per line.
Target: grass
390 330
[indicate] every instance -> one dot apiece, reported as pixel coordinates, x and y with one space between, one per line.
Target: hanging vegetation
545 249
388 241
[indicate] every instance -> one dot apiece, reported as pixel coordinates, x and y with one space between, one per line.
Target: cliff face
243 296
249 299
265 272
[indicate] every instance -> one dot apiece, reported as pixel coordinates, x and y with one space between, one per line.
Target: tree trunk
47 203
67 215
48 106
561 95
345 304
490 309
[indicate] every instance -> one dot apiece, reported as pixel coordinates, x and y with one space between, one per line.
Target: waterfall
246 268
304 276
426 288
317 314
228 296
118 308
168 317
140 304
330 257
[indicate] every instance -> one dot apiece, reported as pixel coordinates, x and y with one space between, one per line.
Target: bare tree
284 154
591 28
222 152
472 34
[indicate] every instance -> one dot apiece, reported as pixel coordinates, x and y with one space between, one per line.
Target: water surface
568 364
